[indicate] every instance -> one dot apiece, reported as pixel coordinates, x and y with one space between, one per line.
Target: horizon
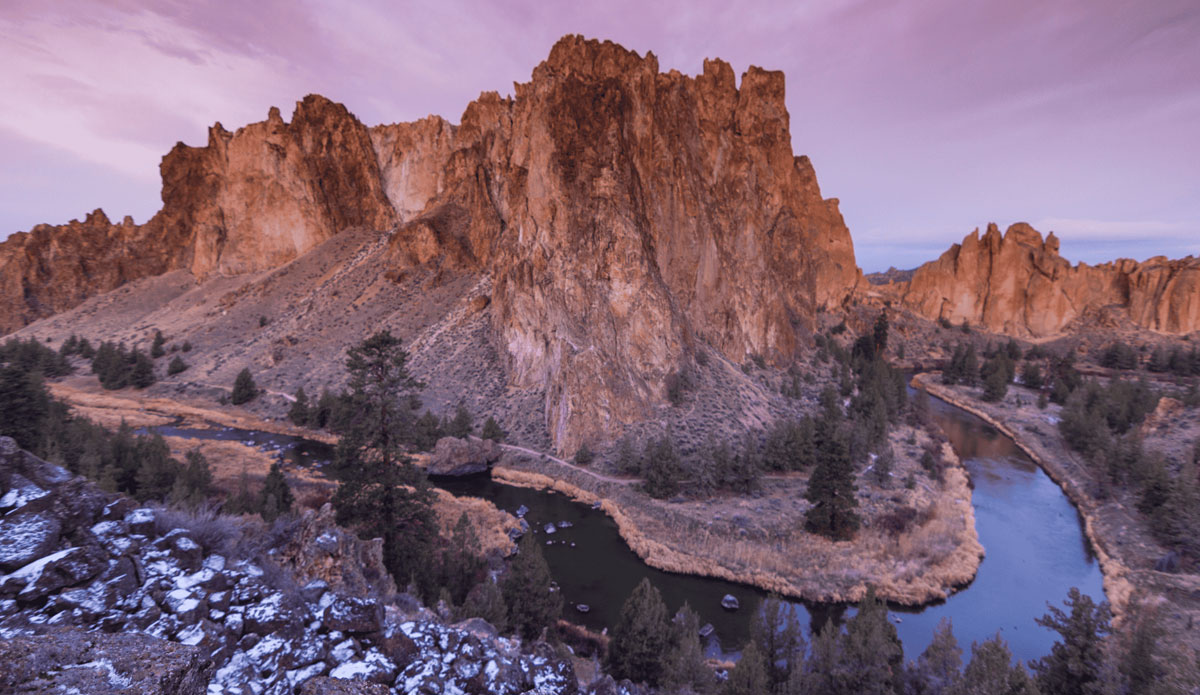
1082 119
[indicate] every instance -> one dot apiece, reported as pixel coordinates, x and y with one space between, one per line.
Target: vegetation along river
1036 549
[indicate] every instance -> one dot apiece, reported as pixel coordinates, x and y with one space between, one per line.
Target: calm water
1035 547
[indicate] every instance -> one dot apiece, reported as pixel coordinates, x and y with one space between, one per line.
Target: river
1036 549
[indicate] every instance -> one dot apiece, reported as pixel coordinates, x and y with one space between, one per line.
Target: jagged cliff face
247 201
1019 285
625 218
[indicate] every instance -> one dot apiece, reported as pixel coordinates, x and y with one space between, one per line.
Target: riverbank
1125 550
759 541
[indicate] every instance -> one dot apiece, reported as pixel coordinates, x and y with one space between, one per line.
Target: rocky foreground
100 595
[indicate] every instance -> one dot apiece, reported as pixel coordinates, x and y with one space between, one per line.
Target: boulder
47 575
58 660
323 685
453 456
349 614
25 538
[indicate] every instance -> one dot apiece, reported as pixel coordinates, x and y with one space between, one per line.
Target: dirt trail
573 466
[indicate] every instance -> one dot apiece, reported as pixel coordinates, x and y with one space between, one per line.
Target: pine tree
462 560
684 668
460 427
298 413
991 672
156 348
939 667
640 637
1074 664
776 630
881 333
749 677
193 485
381 493
584 455
243 501
533 603
24 405
491 430
141 374
276 498
156 470
427 430
831 487
627 461
244 388
176 366
485 600
871 653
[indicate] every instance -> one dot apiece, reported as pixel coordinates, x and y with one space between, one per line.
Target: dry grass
491 523
924 563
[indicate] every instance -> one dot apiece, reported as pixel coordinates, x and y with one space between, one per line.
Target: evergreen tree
24 405
640 637
485 600
298 413
193 485
776 630
995 385
1031 376
320 415
823 672
881 333
156 348
491 430
156 470
684 668
749 677
141 374
176 366
584 455
831 487
244 388
533 603
276 498
1074 664
939 667
426 432
460 427
661 469
871 650
627 461
462 561
380 492
243 501
991 672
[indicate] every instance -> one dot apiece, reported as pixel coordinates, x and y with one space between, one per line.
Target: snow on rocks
102 569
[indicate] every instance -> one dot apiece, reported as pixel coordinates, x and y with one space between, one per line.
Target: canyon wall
625 217
1018 284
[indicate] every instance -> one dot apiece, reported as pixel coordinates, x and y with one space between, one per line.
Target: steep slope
1019 285
246 201
620 216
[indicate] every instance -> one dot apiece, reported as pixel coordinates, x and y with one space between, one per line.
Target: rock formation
1018 284
103 596
623 217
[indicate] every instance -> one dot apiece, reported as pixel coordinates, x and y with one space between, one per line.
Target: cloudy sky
927 118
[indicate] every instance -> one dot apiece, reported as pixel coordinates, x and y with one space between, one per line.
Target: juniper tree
491 430
640 637
193 484
1074 664
939 667
244 388
584 455
299 412
462 423
276 498
991 672
831 487
156 348
749 676
871 649
684 668
777 632
485 600
462 563
533 603
141 373
661 468
176 366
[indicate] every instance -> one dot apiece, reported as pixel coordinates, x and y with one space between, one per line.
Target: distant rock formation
624 216
1017 284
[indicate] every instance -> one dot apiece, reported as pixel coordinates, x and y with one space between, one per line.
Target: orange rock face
623 215
1018 284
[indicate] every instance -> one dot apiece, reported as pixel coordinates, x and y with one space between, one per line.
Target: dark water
1035 547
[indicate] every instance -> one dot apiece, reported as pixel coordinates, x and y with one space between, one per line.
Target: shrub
244 388
176 366
584 455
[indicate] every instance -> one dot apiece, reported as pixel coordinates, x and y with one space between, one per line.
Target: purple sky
926 118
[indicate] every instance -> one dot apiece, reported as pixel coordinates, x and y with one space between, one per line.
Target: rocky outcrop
1018 284
454 456
121 602
624 218
627 216
247 201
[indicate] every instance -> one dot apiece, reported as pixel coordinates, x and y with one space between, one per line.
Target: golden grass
925 563
491 523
